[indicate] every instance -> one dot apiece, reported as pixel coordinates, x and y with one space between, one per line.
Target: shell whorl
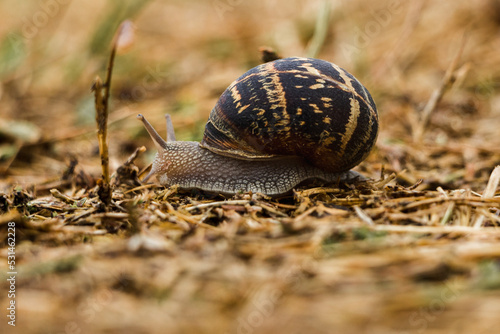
295 107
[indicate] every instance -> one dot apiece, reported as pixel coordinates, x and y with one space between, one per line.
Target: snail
280 124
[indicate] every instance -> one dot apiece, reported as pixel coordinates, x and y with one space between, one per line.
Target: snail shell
295 107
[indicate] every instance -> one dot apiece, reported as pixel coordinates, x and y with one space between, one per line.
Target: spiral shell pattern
302 107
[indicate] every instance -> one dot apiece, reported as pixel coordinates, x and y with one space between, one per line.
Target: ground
413 250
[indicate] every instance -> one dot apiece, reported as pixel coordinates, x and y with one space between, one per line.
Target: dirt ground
414 250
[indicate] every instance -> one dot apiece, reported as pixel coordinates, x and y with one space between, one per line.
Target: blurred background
187 52
184 55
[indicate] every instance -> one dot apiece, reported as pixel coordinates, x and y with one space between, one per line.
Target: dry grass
414 250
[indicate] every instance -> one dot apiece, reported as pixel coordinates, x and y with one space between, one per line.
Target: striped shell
295 106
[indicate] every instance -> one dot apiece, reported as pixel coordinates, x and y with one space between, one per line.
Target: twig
145 186
475 202
305 213
438 94
318 190
382 183
363 215
212 204
449 211
102 131
492 185
57 194
189 219
271 209
101 118
489 192
121 39
436 229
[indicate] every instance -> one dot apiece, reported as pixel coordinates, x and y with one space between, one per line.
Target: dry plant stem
104 192
305 213
318 190
493 183
489 192
101 105
57 194
382 183
101 120
478 202
363 215
134 155
145 186
187 218
465 230
272 210
438 94
449 211
212 204
320 30
102 116
107 83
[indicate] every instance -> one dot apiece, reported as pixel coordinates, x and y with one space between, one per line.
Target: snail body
278 125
